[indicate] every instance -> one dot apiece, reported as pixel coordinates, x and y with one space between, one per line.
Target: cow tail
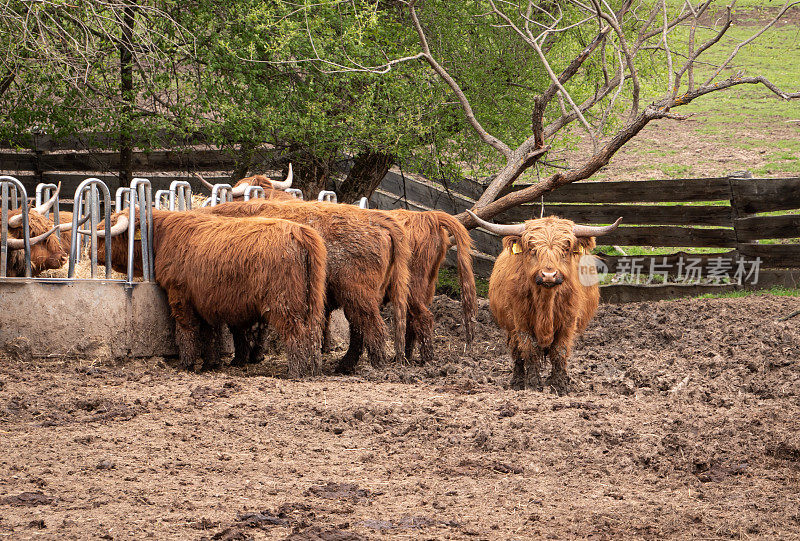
316 263
399 286
469 300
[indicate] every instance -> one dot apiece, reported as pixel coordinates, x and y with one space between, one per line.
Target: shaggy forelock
547 233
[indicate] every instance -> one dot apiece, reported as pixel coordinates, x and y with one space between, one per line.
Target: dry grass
83 270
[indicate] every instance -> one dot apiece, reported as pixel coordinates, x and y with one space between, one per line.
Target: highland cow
273 189
46 250
429 234
368 258
537 295
236 272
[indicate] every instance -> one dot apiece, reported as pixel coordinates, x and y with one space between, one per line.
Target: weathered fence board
160 160
434 196
670 236
644 191
641 214
751 196
773 255
661 223
768 227
671 264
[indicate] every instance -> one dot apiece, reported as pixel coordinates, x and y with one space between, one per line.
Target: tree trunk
366 175
126 89
243 159
311 174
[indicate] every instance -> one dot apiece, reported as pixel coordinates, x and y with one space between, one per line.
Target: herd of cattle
283 264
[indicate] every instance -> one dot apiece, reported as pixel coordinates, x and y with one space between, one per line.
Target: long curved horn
284 184
16 220
118 228
18 244
238 191
500 229
590 231
204 181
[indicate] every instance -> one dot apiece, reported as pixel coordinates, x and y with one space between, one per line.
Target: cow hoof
534 386
345 368
559 384
517 385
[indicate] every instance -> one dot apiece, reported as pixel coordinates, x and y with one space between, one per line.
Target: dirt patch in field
680 149
681 422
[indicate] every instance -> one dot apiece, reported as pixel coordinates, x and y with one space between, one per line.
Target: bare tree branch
485 136
738 47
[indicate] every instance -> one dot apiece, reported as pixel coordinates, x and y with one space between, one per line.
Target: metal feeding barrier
253 191
9 185
43 193
121 199
180 195
295 192
86 206
141 193
327 195
218 192
161 199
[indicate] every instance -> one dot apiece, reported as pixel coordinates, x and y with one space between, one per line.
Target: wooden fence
724 214
43 158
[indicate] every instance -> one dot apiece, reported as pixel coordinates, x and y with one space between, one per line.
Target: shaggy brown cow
235 272
537 296
273 189
46 250
368 257
429 239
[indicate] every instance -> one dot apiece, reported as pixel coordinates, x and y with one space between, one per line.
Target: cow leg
347 364
187 324
421 323
326 332
241 345
411 340
533 361
367 329
302 344
558 379
518 371
212 338
302 340
258 343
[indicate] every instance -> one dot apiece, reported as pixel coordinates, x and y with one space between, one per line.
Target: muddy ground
682 422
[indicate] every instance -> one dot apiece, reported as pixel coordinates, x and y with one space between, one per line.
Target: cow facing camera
589 270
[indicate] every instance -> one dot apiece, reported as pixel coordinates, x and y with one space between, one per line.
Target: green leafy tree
529 77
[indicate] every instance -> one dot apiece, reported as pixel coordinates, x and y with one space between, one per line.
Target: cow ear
510 241
586 243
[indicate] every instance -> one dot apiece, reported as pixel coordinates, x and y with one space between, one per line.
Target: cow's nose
550 279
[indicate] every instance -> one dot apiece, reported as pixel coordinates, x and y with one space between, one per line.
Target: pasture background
682 421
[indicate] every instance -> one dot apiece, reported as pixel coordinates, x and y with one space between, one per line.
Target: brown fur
47 254
541 321
237 272
429 239
368 257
